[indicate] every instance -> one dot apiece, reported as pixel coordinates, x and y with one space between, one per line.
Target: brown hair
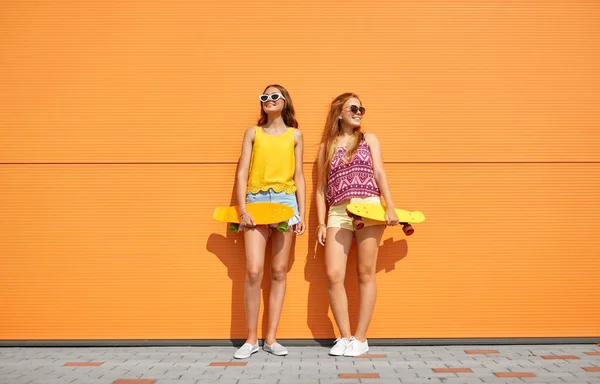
288 112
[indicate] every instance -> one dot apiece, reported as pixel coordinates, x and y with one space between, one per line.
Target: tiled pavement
579 363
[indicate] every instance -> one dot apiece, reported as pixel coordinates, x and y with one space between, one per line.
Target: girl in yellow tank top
270 170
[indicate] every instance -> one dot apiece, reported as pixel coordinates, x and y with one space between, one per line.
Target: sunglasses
273 96
355 108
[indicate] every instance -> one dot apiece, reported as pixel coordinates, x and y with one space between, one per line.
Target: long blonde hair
332 131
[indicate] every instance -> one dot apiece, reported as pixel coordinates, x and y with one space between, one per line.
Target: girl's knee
366 275
279 273
335 277
254 275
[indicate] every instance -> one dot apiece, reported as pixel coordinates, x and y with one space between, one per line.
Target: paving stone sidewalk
577 364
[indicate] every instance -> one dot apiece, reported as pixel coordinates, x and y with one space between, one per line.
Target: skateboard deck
262 213
377 212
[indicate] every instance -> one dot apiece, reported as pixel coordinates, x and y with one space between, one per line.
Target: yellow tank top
273 162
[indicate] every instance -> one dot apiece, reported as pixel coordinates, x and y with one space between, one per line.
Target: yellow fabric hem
277 188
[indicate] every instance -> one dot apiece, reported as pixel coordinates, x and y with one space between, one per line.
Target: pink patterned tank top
353 179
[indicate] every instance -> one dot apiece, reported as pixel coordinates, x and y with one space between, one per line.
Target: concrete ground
577 363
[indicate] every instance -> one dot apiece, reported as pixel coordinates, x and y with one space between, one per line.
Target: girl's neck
346 132
274 123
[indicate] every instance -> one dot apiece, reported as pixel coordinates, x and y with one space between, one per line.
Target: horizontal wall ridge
305 163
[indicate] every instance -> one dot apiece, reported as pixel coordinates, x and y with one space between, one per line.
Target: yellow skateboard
377 212
262 213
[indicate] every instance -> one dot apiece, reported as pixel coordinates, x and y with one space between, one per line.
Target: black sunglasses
355 108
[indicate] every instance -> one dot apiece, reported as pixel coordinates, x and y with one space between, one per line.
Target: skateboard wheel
358 224
408 229
233 227
282 227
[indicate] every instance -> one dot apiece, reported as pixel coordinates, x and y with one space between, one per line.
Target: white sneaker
276 349
339 346
356 348
246 350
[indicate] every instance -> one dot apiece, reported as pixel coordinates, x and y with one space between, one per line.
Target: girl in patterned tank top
269 170
350 169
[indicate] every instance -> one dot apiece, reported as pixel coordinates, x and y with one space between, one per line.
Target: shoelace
351 343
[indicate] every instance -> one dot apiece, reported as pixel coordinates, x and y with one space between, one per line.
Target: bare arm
299 179
381 178
243 170
320 196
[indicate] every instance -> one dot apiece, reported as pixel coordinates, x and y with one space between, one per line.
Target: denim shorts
271 196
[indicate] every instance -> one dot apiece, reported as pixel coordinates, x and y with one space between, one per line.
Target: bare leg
281 246
367 241
255 240
337 247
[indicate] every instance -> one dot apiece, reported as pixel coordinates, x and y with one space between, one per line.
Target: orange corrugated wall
121 125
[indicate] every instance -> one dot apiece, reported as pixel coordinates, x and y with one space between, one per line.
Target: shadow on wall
231 252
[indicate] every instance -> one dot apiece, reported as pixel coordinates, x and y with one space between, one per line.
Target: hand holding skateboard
391 217
246 220
377 212
259 214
